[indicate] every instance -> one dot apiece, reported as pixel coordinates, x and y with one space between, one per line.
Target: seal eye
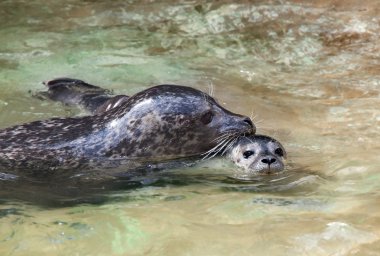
248 153
207 117
279 152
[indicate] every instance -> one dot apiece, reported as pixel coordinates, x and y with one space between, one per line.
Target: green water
308 71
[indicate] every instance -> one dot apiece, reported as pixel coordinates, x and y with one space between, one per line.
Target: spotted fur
161 123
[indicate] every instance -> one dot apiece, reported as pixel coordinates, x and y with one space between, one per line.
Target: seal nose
248 121
251 126
268 161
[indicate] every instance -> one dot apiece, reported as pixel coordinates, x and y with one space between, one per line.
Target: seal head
171 121
258 154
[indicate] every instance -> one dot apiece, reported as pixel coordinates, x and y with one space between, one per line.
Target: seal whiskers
224 141
211 89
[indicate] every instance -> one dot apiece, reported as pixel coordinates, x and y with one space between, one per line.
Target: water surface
307 70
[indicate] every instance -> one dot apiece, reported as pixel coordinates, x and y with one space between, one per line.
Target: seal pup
162 123
257 154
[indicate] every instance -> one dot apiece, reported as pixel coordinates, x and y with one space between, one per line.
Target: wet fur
264 148
157 124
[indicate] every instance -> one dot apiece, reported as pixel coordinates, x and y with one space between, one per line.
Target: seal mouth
240 125
251 128
248 129
270 171
228 139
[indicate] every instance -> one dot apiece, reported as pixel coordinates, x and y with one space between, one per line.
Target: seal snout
269 164
247 122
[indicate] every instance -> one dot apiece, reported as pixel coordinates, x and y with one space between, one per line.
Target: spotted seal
96 100
162 123
258 154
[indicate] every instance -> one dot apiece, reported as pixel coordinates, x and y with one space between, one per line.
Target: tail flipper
111 103
78 93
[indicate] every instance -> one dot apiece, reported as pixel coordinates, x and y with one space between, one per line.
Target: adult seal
162 123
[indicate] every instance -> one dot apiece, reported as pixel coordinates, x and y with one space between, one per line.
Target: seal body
162 123
258 154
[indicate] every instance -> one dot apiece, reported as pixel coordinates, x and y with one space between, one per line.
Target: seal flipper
76 92
111 103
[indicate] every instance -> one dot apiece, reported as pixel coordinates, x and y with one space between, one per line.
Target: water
307 70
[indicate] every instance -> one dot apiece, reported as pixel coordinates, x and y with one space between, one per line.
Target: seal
257 154
162 123
97 100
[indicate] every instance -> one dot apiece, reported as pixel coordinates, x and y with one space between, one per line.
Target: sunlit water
309 74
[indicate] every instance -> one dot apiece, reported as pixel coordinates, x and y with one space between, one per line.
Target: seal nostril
248 121
268 160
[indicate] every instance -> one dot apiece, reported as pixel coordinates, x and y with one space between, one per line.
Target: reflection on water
308 71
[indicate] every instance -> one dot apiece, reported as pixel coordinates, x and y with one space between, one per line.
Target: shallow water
307 70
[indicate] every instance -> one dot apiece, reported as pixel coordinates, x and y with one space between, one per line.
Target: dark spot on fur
137 122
